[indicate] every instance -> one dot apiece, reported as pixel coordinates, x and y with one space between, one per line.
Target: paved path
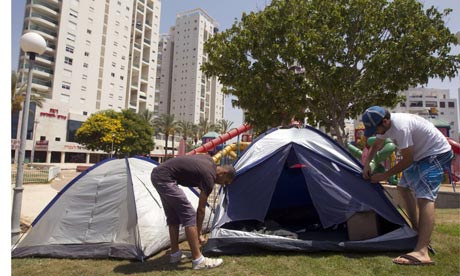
35 197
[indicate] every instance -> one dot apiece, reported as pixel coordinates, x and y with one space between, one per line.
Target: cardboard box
363 226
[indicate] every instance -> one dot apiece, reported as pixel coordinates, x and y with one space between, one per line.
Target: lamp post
33 44
111 151
32 155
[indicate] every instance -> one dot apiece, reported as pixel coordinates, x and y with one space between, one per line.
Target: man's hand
202 239
367 172
379 177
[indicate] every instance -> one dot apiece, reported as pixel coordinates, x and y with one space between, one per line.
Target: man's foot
208 263
179 256
407 259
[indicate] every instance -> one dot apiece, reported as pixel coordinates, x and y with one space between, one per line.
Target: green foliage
126 132
167 125
328 60
18 94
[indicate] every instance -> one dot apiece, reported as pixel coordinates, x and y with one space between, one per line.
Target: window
451 104
65 98
88 31
57 139
442 104
112 74
73 13
84 77
72 25
86 54
71 37
67 73
69 48
65 85
68 60
85 65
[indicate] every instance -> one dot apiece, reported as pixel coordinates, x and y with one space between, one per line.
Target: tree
138 134
126 132
204 127
166 124
224 125
185 128
18 93
328 60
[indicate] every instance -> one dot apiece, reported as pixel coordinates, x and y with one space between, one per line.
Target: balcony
44 6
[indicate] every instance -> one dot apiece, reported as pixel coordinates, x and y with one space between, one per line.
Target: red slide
220 140
455 145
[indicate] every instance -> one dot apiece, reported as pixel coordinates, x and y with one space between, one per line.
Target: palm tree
17 96
204 127
195 133
166 124
148 116
185 128
225 125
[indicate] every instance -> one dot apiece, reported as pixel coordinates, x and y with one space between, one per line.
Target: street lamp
33 44
32 155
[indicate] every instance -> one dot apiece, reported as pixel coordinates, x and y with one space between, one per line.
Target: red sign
41 145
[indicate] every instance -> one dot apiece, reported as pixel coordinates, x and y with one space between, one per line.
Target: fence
36 175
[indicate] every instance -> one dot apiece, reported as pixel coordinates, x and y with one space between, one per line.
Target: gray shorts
177 207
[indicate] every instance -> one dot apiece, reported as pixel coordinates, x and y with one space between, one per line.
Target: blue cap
372 117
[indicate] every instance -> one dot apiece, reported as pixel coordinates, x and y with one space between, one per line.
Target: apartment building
184 90
100 55
434 105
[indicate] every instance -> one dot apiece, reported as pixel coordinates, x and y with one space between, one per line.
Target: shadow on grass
315 254
154 264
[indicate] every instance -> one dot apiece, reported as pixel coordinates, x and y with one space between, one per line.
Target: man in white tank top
425 153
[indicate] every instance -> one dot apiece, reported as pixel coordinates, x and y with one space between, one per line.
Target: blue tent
297 189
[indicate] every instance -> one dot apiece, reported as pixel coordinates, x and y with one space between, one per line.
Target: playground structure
387 153
376 165
231 150
455 168
211 145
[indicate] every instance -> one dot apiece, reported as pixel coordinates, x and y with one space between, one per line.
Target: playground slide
455 169
220 140
455 145
230 150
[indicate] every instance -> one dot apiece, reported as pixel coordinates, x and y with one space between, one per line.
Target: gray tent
109 211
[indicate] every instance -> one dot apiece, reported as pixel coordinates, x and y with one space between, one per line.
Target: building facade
184 89
100 55
432 103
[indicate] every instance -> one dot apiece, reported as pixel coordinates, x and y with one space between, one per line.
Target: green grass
445 240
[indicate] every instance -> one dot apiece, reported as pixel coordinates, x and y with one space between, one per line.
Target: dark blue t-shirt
191 171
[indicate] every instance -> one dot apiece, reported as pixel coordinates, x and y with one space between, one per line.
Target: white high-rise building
100 55
184 90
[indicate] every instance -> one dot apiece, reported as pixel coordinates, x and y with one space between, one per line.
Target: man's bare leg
174 237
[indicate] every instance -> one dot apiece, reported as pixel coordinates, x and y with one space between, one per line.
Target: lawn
445 240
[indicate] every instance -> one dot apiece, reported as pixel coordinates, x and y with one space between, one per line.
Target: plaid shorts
424 177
